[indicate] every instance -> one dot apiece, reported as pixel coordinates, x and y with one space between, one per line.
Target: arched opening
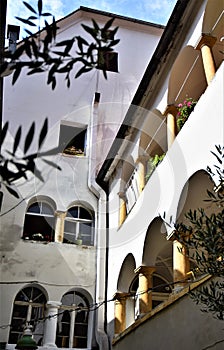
153 135
153 142
28 309
187 78
125 312
79 226
194 194
155 242
155 274
39 222
192 198
126 274
72 326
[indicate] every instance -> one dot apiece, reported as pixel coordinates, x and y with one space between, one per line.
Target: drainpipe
3 10
102 253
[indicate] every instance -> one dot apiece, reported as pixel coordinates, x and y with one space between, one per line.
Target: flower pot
78 241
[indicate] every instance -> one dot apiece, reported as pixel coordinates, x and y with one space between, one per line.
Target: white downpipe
101 336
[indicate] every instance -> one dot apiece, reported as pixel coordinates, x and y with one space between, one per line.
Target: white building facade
143 255
80 249
53 242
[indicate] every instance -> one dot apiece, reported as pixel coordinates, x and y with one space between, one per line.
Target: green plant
79 239
17 162
153 162
205 244
41 52
38 53
184 110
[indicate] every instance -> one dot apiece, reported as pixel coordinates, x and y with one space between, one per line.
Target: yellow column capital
170 109
207 40
145 270
60 213
142 158
122 195
120 296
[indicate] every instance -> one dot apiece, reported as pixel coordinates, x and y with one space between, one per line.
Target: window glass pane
34 208
73 212
70 227
84 214
22 296
85 231
69 238
70 232
46 209
20 311
37 296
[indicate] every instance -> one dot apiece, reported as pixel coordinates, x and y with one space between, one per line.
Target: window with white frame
131 190
28 309
79 226
39 222
72 327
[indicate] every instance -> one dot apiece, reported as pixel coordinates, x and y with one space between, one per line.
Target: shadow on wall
13 233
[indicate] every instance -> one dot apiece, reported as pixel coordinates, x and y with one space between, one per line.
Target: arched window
39 222
72 326
133 289
79 226
28 308
161 291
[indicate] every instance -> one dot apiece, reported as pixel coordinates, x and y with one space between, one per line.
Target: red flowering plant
184 110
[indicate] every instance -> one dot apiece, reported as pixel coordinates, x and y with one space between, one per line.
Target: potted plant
184 110
78 240
153 162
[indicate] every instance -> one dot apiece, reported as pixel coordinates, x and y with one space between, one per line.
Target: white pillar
72 327
51 323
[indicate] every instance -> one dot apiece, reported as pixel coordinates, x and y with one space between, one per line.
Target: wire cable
95 306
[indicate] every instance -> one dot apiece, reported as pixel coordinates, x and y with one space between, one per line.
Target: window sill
73 155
